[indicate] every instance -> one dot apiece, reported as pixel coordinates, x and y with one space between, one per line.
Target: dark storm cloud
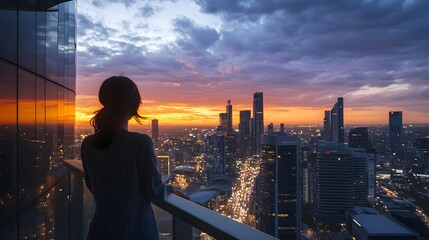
194 37
301 51
351 44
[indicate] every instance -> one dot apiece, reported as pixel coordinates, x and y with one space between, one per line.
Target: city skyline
188 57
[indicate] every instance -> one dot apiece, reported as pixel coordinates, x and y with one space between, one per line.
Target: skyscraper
258 121
327 126
337 121
214 155
154 128
359 138
278 200
229 117
223 121
395 131
37 106
360 177
334 182
341 181
244 133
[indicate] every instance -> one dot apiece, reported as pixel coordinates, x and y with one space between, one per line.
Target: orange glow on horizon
181 114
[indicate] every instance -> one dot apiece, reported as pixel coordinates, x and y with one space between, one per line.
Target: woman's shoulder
88 139
141 137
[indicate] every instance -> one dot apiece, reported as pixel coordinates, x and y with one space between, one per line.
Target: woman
120 167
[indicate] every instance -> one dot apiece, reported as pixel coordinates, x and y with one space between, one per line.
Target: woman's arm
149 175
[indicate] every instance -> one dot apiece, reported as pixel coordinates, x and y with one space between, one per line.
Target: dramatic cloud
300 53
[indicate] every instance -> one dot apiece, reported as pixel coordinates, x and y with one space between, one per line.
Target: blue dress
123 178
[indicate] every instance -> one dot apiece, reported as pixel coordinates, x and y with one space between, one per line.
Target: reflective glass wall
37 99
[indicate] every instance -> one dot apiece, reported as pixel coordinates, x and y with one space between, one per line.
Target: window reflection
8 28
37 120
8 151
27 39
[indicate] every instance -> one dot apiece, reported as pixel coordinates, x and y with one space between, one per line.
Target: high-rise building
307 182
342 181
244 133
327 126
371 177
360 177
155 129
229 117
358 138
164 164
278 201
395 131
214 155
37 106
270 128
231 146
223 120
258 121
334 182
337 121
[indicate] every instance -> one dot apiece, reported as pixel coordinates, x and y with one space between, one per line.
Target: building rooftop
202 197
376 224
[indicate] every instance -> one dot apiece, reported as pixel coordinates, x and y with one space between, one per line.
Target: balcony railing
185 216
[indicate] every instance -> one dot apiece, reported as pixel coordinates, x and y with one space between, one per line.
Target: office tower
223 120
164 163
334 183
342 181
258 121
214 155
358 138
244 133
360 177
307 182
395 132
37 101
282 128
278 200
327 126
244 125
154 128
337 121
231 146
229 117
371 177
270 128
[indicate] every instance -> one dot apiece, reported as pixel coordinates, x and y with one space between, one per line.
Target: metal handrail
196 215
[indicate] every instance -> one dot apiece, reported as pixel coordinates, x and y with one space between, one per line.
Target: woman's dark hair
121 99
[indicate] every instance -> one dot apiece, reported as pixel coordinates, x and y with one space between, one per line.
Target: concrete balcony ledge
187 214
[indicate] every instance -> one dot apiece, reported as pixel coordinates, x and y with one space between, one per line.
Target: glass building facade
37 108
278 199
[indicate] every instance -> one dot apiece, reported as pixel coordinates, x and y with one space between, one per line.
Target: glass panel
26 152
42 162
52 124
72 45
8 150
69 112
27 39
51 44
164 221
61 43
41 43
60 135
8 31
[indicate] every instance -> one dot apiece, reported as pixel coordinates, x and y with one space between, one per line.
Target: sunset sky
189 57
